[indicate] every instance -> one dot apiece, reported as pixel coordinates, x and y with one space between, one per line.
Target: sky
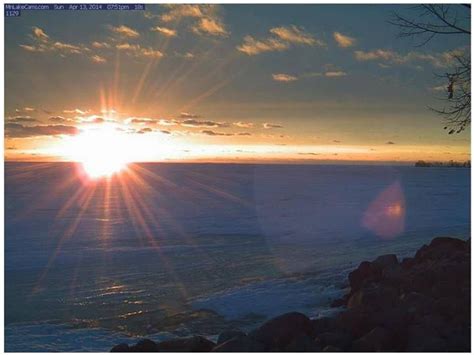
238 83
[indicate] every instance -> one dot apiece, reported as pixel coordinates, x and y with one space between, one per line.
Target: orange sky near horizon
264 83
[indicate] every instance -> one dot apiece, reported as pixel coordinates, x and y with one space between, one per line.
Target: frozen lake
194 248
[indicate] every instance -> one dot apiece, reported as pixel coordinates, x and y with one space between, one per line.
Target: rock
241 344
386 261
303 343
340 302
420 304
441 248
378 339
144 346
355 322
340 339
407 263
229 334
415 303
120 348
393 319
191 344
332 349
278 332
321 325
375 296
366 272
447 242
421 339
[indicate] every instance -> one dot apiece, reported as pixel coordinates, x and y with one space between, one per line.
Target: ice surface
236 239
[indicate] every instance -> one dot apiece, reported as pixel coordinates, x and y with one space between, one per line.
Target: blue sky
307 77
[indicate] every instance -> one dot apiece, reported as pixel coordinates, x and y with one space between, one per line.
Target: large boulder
322 325
145 346
240 344
191 344
374 296
355 322
120 348
278 332
442 247
386 261
366 272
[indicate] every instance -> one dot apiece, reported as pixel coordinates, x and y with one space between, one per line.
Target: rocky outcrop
418 304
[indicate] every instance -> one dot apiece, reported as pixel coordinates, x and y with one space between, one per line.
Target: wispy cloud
281 39
188 115
43 43
293 34
205 19
98 59
344 41
224 134
252 46
243 124
140 120
97 44
22 119
286 78
165 122
330 72
335 74
200 123
40 34
124 31
144 130
390 142
77 110
60 119
165 31
136 50
308 153
439 88
211 27
178 11
16 130
267 125
214 133
442 59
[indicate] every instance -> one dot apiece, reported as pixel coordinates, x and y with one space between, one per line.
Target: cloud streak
202 123
440 60
267 125
16 130
124 31
286 78
165 31
281 39
344 41
205 18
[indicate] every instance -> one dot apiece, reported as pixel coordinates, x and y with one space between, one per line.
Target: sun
102 151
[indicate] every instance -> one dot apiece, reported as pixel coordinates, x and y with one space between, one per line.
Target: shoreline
420 303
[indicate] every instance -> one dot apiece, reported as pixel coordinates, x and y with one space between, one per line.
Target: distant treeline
449 164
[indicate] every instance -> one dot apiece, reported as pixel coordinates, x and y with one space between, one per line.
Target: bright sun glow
102 151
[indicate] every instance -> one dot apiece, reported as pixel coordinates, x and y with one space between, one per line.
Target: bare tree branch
439 20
